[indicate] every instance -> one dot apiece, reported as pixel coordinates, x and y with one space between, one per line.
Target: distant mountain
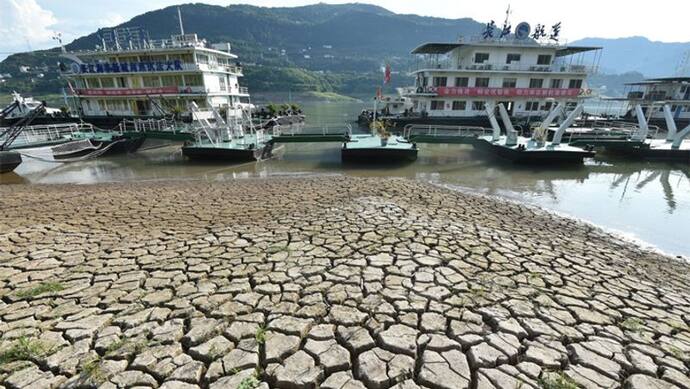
328 48
352 30
639 54
335 47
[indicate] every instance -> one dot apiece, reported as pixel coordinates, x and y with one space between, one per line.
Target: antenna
179 17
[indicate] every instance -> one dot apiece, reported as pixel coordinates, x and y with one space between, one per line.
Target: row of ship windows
542 59
459 105
184 58
131 105
147 82
483 82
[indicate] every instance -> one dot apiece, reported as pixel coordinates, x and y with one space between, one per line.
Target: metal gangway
432 133
49 134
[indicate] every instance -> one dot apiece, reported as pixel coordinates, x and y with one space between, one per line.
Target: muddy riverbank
331 282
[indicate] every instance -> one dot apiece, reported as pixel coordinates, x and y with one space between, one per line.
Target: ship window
544 59
436 105
171 81
547 106
462 81
513 58
532 106
536 82
121 82
151 81
481 82
201 58
509 82
556 83
481 57
223 83
193 80
107 82
459 105
478 105
575 84
440 81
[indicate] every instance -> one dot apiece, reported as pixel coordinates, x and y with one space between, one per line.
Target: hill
321 47
639 54
328 48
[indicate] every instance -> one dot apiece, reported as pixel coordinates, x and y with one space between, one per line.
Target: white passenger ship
153 79
653 94
455 81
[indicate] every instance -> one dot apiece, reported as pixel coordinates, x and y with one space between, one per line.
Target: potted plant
380 129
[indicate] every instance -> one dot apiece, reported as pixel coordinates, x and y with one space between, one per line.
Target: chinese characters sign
506 92
166 90
127 67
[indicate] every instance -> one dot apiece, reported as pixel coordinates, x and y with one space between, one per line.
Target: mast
179 18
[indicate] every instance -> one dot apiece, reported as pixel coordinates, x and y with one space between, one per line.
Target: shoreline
616 233
326 281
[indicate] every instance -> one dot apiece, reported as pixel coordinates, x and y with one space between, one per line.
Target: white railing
141 125
50 132
500 67
444 130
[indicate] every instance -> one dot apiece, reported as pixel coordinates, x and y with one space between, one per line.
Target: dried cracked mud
325 283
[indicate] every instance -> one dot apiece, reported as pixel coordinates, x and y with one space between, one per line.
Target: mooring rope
95 154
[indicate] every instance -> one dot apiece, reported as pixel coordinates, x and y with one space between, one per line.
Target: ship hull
219 154
9 161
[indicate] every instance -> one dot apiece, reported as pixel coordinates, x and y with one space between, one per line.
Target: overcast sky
30 24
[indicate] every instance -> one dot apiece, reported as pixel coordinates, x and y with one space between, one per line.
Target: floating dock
512 147
367 148
247 148
535 150
674 147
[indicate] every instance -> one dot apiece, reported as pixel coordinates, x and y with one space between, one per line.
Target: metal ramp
443 134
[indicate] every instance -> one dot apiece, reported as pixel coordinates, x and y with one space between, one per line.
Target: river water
645 202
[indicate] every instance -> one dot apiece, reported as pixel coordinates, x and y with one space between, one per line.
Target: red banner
166 90
506 92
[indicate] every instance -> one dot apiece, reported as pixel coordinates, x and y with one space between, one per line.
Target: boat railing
444 130
447 64
298 129
147 125
50 132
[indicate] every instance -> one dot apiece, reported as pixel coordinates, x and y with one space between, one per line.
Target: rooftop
661 80
444 48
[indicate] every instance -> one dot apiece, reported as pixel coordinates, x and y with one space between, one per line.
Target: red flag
387 74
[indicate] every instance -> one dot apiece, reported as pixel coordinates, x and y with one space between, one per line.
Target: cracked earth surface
328 282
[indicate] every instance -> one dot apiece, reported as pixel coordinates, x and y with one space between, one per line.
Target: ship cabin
656 92
458 79
154 78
